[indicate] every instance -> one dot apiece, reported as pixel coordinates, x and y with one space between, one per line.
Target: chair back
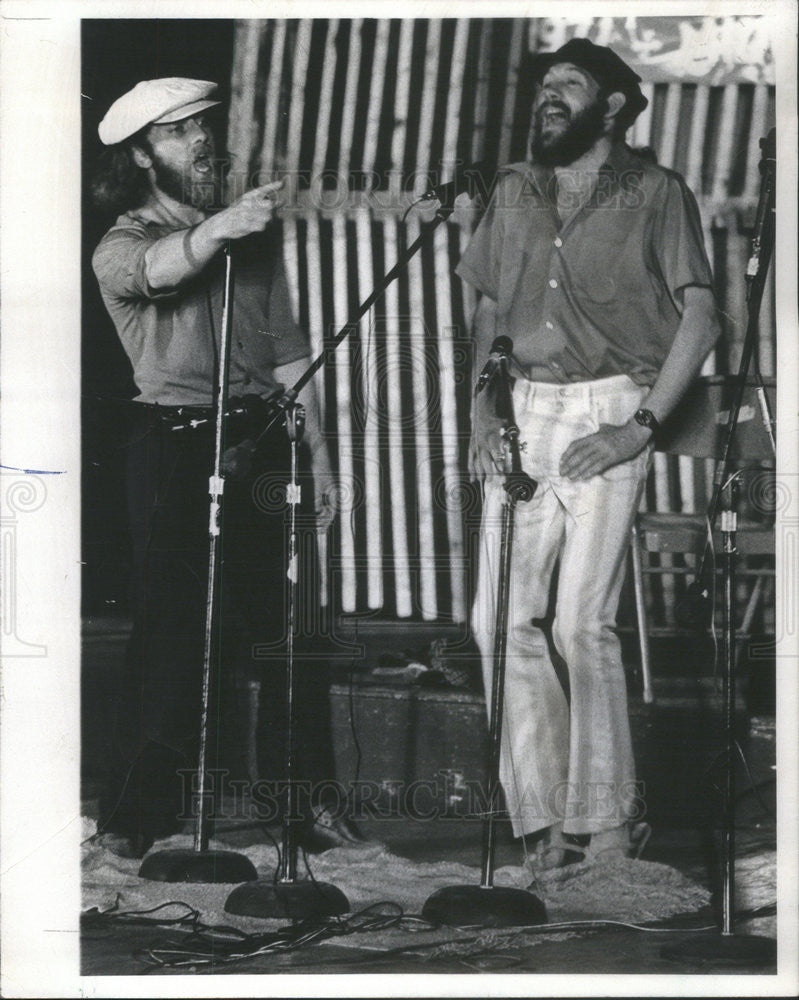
698 425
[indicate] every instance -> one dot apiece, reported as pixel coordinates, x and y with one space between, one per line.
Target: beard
569 143
190 187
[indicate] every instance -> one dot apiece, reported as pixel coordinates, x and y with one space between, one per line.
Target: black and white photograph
400 499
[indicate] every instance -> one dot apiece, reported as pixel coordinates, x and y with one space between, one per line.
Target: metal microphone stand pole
729 947
285 897
202 864
729 526
262 900
696 609
487 904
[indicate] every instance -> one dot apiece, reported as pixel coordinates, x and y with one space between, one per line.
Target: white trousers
563 761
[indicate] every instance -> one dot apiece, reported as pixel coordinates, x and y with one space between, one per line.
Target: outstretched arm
175 258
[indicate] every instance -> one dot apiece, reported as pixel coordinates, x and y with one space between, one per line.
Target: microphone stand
729 947
695 610
202 864
486 904
288 897
285 897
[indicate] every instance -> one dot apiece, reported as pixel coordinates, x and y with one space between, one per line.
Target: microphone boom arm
280 404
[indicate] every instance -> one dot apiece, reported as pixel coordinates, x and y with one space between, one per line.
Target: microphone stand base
287 900
467 905
185 865
726 949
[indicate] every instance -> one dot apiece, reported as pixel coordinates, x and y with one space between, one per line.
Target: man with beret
591 259
160 269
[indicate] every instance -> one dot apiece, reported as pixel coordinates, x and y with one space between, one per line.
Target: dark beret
609 71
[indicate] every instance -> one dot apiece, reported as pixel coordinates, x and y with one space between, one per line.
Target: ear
616 102
140 158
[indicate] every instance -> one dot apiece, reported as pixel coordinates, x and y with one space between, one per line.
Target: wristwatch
646 418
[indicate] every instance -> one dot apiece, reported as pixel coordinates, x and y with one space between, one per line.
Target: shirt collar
621 161
620 168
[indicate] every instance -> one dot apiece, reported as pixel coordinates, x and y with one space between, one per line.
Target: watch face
646 418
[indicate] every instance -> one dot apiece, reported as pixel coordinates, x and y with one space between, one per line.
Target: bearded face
561 135
184 164
197 184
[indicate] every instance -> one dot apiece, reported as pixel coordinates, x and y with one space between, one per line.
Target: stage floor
682 839
118 950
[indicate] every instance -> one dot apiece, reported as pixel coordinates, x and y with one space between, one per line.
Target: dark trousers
158 715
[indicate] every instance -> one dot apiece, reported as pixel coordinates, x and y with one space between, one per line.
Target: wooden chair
698 430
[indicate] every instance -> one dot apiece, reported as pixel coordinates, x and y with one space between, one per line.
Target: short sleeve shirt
172 336
598 294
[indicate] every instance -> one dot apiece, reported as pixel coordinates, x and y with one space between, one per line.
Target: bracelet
187 252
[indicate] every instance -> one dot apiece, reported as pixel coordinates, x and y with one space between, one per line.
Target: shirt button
558 241
549 326
553 283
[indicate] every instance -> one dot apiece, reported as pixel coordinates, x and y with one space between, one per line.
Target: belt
246 413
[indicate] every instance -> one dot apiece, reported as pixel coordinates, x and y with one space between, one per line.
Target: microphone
478 179
501 350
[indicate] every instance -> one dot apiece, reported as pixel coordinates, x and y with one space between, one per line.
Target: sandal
638 835
555 850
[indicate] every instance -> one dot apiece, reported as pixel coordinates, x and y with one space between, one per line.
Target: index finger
264 189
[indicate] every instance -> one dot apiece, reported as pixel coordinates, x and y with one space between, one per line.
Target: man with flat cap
160 269
591 259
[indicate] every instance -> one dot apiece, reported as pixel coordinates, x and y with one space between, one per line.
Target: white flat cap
154 102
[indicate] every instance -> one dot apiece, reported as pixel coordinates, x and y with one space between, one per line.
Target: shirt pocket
596 270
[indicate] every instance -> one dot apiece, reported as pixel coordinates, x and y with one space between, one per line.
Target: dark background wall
117 54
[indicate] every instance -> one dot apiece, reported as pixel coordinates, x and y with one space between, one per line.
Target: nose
199 131
549 91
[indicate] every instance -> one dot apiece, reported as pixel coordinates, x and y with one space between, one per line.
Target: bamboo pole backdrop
356 116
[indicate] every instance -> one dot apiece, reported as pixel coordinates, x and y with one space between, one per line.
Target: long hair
118 183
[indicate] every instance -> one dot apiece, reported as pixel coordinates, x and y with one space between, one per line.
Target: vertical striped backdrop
357 116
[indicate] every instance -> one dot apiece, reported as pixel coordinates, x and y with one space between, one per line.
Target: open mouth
203 165
550 115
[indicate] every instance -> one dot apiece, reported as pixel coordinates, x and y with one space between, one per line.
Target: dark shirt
172 336
597 294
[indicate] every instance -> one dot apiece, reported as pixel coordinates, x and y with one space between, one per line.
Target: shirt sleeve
119 264
678 239
480 263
